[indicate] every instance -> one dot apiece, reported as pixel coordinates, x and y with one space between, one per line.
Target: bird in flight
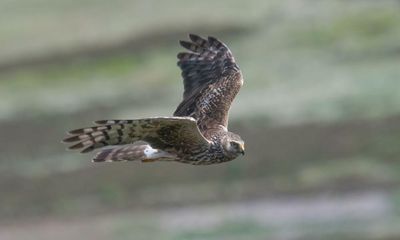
198 131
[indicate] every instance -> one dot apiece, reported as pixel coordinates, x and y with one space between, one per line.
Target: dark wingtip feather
194 37
76 131
185 44
101 122
71 139
76 146
88 149
68 149
217 43
198 40
212 39
180 55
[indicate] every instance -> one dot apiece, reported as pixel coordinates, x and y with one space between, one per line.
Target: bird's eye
234 144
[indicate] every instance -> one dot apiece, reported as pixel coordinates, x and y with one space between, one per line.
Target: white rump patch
151 152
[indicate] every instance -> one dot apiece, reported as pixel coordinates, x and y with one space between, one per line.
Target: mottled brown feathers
211 80
209 61
121 153
197 134
160 132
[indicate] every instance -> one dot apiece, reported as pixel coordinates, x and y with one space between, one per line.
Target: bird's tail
131 152
106 133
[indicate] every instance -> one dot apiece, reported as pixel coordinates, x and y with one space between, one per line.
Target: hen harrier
196 134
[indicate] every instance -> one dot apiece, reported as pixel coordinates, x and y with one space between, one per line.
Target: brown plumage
197 134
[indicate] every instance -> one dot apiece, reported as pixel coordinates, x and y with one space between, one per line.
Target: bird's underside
196 134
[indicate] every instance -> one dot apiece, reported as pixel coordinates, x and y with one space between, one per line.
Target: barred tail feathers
107 132
121 132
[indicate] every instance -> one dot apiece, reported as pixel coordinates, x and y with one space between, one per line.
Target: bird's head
233 145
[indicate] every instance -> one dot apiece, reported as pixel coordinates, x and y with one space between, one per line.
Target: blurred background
319 111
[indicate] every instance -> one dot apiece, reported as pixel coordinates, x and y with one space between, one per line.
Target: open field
320 113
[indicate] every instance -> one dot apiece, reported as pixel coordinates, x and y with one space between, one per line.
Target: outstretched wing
179 133
211 80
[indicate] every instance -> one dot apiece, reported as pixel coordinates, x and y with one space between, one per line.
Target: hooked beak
242 149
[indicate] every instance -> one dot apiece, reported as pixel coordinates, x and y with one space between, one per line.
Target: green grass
75 24
228 230
337 68
321 83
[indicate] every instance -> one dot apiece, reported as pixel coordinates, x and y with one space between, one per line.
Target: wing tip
183 43
73 138
194 37
87 149
180 55
76 131
101 122
77 146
